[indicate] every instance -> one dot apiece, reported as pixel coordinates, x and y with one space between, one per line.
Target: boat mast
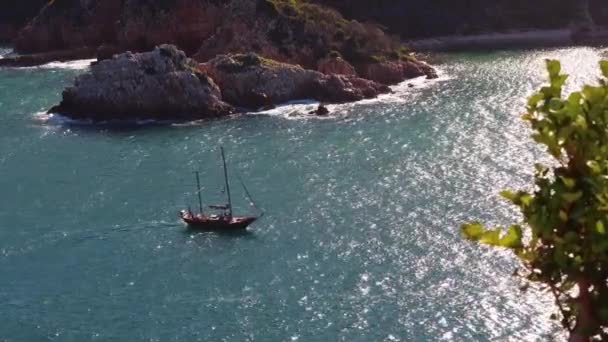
198 191
227 183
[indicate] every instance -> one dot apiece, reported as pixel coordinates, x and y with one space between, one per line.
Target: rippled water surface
360 240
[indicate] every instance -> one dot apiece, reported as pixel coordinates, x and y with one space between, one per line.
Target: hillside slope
289 31
412 19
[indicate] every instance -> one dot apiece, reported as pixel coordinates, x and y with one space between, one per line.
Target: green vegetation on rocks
327 31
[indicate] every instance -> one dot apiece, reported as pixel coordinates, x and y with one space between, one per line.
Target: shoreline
511 40
452 43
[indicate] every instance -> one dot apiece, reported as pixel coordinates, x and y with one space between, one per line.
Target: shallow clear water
360 240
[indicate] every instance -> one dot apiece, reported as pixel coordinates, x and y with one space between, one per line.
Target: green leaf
575 98
535 99
558 81
571 197
568 182
594 166
555 104
472 231
595 95
581 122
491 237
553 67
599 227
510 195
604 68
526 199
566 210
512 238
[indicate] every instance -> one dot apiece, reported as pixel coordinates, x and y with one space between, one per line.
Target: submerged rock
162 84
251 81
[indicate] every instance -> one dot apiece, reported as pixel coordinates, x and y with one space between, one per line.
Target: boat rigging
219 222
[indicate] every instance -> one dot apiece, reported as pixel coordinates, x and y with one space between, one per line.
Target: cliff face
284 30
287 30
15 14
70 24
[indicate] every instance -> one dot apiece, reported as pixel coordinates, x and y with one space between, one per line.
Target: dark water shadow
137 125
115 231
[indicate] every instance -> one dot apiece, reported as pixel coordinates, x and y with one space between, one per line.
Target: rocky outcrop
335 65
251 81
342 88
7 32
162 84
185 23
393 72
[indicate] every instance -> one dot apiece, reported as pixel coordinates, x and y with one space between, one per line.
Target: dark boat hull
218 224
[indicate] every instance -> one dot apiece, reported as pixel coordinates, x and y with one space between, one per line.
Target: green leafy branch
565 215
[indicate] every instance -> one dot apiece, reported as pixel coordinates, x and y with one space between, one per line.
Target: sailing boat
222 222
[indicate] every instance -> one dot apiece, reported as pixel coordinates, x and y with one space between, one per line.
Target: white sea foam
80 64
70 65
53 119
5 51
401 93
293 110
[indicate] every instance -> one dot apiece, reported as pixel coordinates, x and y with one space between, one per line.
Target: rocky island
162 84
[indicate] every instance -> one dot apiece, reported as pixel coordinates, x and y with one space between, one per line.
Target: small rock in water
411 85
320 111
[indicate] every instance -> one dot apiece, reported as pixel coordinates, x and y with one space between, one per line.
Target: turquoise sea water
360 240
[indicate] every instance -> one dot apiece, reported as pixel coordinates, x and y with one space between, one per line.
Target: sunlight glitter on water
360 240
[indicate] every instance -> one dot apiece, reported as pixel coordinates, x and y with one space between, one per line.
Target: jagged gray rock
162 84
